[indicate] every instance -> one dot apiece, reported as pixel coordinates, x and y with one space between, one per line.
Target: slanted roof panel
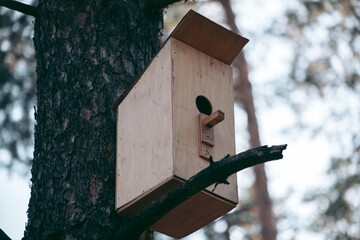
209 37
203 34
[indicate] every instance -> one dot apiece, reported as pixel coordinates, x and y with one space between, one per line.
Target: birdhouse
177 114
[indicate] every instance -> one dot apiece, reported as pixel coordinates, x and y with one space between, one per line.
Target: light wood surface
193 214
159 136
144 136
130 209
207 36
195 74
214 119
206 134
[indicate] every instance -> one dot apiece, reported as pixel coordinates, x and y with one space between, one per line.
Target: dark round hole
203 105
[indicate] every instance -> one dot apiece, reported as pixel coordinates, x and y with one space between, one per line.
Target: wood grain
203 209
209 37
214 119
159 131
195 74
144 136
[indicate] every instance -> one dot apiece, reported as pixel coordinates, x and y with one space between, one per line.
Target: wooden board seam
125 206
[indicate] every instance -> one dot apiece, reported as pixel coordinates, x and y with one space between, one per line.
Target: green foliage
239 224
327 40
326 37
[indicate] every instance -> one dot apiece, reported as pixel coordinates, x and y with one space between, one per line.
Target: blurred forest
321 86
17 90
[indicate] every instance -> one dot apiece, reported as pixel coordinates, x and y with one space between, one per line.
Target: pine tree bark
243 94
87 53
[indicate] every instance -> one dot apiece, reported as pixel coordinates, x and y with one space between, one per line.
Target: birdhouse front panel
201 85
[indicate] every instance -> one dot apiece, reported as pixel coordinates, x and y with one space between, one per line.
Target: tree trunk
243 94
87 53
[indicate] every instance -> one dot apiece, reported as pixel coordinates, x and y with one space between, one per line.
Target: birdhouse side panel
199 76
144 136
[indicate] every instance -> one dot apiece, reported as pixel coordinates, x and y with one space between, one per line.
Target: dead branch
217 172
20 7
3 235
152 5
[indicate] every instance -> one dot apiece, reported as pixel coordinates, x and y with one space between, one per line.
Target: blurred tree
17 90
327 34
340 211
322 88
243 95
327 58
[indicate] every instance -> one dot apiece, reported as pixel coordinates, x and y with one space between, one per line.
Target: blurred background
297 82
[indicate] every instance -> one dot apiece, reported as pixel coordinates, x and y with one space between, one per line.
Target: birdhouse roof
209 37
206 36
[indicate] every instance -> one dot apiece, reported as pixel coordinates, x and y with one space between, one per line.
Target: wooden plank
209 37
193 214
205 151
206 139
144 136
197 74
130 209
206 134
214 119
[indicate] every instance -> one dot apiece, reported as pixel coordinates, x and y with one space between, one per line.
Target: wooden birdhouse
177 114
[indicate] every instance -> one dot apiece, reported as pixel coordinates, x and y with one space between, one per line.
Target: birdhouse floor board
193 214
130 209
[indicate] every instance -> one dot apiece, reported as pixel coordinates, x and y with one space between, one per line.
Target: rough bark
243 94
87 53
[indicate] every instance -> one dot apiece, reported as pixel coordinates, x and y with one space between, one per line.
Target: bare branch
152 5
20 7
217 172
3 235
